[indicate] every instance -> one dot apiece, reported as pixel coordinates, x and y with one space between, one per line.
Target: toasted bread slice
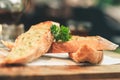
87 54
7 44
31 44
82 49
76 42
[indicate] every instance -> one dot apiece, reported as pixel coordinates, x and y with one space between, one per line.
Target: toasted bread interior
31 44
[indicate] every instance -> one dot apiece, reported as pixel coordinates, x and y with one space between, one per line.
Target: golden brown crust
38 39
83 49
7 44
31 45
87 54
96 42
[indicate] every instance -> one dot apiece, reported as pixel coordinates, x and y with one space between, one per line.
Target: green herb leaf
61 33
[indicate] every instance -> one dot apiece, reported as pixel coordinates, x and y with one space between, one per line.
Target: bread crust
38 39
31 44
87 54
82 49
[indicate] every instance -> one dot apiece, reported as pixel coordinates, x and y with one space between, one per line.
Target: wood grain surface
71 72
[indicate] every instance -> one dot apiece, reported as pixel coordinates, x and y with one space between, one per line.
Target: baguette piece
31 44
97 42
7 44
82 49
87 54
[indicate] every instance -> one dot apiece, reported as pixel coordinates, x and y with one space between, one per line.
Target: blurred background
83 17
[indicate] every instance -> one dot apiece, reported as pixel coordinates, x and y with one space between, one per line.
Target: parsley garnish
61 33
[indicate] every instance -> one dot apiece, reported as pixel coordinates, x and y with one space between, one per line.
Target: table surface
71 72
